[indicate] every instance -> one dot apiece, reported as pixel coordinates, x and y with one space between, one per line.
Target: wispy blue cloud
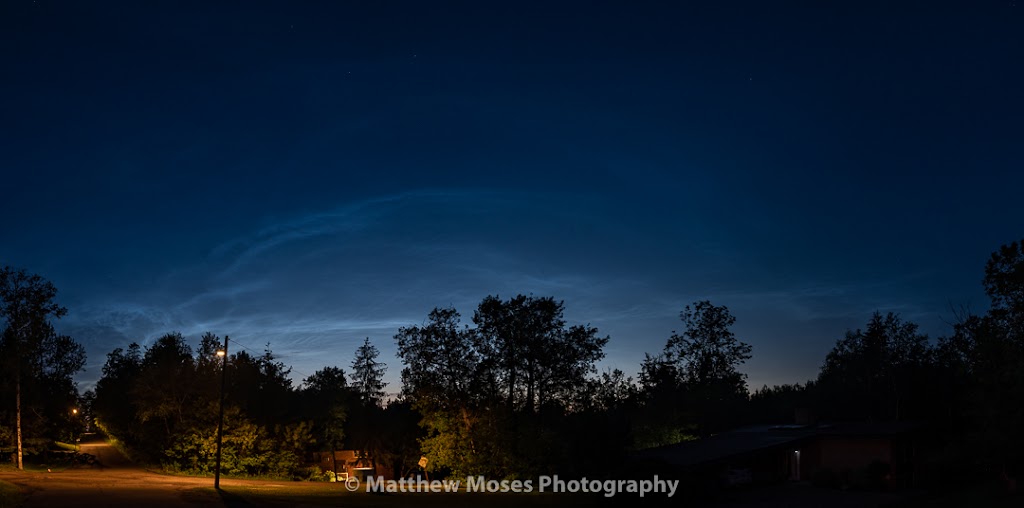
314 284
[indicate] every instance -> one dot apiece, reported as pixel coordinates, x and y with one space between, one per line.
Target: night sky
312 173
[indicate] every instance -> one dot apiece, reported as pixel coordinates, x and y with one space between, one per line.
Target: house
872 455
350 463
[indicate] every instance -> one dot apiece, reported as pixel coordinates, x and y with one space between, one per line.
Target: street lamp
220 421
74 428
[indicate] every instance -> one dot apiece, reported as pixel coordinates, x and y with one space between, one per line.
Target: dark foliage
37 364
517 394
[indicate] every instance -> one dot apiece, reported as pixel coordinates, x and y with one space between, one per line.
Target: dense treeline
513 390
967 386
163 404
494 398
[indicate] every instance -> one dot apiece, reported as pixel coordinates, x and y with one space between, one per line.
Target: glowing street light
74 428
223 353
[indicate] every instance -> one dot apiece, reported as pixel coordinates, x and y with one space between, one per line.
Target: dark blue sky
312 173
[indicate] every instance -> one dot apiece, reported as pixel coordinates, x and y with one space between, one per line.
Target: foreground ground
115 482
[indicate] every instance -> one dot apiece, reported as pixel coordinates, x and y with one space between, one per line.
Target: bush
310 474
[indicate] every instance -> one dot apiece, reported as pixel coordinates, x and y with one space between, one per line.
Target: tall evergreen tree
367 374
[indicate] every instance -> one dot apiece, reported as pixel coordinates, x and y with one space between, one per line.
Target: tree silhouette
440 360
492 398
695 379
368 374
35 359
877 372
998 358
326 399
525 346
707 352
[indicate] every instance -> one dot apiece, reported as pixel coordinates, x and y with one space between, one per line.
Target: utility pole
17 402
220 420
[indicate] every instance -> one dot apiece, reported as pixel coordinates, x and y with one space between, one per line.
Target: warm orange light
220 352
74 411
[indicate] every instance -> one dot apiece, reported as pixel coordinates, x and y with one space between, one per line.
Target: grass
171 471
32 466
335 494
59 457
10 495
67 446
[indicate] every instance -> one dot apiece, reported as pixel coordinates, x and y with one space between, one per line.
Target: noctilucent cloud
310 174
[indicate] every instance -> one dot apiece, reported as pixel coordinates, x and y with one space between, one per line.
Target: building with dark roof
874 455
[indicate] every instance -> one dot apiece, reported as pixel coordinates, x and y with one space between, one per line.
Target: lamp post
220 421
74 428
